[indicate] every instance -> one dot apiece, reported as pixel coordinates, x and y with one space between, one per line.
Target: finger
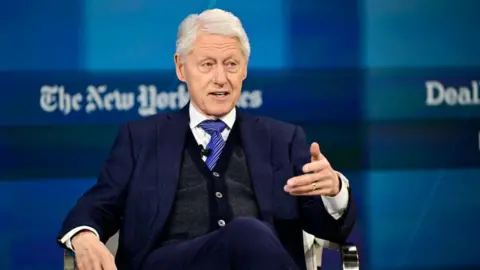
95 262
317 192
108 261
315 152
80 264
316 166
88 263
308 188
307 179
94 259
300 180
82 261
97 265
108 265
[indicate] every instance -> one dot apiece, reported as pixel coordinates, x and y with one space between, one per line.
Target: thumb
315 152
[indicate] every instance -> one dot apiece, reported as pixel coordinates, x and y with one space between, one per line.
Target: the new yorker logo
461 95
147 100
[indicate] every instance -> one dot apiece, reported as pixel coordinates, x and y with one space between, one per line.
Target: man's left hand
319 177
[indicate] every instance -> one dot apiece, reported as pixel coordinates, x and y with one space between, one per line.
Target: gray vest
203 201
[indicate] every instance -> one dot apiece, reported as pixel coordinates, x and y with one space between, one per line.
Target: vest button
219 195
216 174
221 223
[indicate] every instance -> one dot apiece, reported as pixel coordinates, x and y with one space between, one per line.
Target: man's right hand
91 253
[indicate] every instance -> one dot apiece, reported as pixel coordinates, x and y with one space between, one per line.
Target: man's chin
219 110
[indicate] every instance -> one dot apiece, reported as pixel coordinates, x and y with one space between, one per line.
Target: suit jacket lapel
256 142
170 143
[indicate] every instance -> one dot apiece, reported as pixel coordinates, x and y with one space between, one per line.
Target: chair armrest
69 260
348 253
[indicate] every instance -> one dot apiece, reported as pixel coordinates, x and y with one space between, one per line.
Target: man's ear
179 67
245 72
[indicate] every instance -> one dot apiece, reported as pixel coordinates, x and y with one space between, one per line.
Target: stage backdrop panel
388 88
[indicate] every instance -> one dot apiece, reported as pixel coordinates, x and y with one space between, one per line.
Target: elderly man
209 186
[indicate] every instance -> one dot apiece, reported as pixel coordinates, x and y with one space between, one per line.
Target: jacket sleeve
314 216
101 207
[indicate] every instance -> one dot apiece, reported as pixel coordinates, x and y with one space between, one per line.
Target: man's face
214 72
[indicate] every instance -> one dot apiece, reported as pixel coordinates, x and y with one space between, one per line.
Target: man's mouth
220 93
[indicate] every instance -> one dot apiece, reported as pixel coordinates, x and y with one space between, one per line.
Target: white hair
211 21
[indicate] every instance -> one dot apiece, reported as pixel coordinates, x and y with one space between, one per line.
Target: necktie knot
212 126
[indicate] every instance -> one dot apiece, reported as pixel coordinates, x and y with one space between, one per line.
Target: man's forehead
216 49
213 40
225 54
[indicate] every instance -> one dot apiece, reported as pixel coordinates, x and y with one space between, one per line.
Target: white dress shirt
335 206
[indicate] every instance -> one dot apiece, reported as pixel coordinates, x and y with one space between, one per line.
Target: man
209 186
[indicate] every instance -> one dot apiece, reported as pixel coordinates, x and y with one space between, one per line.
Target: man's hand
319 177
91 253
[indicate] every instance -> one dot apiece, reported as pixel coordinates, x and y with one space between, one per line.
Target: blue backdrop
389 88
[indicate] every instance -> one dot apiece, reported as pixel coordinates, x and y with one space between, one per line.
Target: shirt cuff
67 238
337 204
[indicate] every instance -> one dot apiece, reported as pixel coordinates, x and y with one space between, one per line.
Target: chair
312 246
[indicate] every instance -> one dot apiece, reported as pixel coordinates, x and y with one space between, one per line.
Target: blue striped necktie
216 144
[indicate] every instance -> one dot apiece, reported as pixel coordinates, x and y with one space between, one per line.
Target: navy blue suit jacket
136 187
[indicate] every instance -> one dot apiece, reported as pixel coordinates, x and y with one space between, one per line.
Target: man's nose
220 76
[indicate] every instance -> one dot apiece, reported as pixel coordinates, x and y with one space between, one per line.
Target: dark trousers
244 243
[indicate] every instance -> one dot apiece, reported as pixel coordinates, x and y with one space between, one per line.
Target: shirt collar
197 117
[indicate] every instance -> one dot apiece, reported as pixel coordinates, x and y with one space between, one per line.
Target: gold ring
314 186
